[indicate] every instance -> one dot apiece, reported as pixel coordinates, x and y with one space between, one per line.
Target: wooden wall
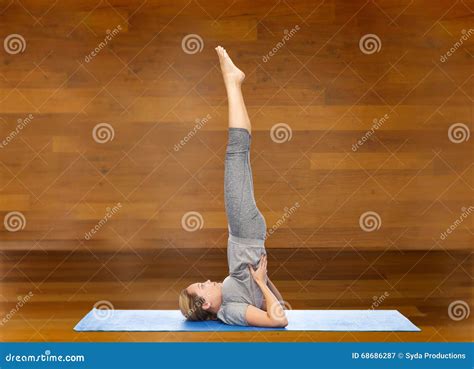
319 84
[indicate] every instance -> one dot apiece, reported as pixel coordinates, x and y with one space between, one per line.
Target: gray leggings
244 218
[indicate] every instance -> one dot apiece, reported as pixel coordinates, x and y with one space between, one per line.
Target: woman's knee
239 141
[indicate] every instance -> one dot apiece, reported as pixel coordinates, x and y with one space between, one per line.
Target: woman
246 296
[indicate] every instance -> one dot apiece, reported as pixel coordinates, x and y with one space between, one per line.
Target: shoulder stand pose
246 296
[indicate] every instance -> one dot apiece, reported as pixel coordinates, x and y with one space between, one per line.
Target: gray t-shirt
239 289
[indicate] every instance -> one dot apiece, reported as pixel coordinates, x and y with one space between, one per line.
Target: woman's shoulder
233 313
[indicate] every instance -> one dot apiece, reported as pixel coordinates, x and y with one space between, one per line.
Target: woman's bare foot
232 75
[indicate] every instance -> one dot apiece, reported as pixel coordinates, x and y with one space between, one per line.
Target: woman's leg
244 218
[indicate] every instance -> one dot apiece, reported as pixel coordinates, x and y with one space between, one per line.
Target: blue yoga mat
298 320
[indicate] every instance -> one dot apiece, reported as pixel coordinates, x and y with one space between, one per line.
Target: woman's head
201 300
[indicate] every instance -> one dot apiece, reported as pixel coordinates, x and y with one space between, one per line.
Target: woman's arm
275 290
275 314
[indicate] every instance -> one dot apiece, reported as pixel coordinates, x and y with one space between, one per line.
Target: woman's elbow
281 322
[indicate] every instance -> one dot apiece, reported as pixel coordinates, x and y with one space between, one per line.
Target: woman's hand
260 275
274 314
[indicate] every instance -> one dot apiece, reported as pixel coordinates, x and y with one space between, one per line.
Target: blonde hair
190 305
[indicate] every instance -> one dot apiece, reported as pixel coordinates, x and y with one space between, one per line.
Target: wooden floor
419 284
313 90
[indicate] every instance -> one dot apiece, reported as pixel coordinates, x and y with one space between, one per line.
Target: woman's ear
206 305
